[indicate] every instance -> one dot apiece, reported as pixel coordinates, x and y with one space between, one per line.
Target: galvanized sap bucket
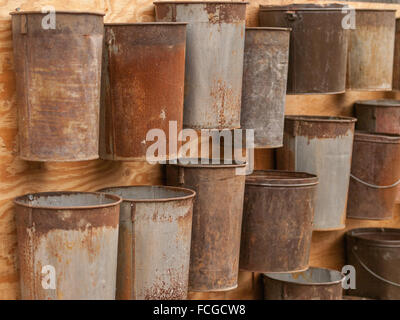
217 222
67 245
371 50
278 213
396 64
313 284
142 88
266 56
375 176
321 145
375 254
318 45
58 85
154 242
214 60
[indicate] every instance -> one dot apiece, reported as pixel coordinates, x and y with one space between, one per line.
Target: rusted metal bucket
214 60
318 45
67 245
321 145
143 82
154 242
371 50
313 284
266 56
277 221
375 175
58 85
375 254
396 64
217 222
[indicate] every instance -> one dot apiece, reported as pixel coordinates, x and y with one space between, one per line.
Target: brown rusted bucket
375 254
142 88
154 242
321 145
313 284
318 45
371 50
58 85
375 175
266 56
214 60
67 245
396 64
278 213
217 221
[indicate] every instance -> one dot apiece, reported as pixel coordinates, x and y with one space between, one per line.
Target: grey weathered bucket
371 50
69 240
321 145
313 284
214 60
266 56
154 242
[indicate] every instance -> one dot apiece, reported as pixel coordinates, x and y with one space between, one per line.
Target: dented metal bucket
142 88
154 242
67 245
375 176
321 145
217 221
318 45
266 56
375 254
313 284
396 64
58 85
214 60
278 213
371 50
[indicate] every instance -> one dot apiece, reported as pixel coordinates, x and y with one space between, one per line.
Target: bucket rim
191 193
17 200
238 164
276 276
150 23
96 13
268 29
376 137
200 2
270 178
321 118
380 103
358 232
304 7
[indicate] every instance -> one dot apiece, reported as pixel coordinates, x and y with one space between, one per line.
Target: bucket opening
321 118
376 235
312 276
379 103
278 178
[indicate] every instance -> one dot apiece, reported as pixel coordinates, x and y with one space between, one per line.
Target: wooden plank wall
18 177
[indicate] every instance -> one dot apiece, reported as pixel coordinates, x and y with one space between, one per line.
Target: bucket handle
371 272
373 185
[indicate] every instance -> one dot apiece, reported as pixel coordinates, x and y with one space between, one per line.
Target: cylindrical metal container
58 74
67 245
313 284
375 175
318 45
154 242
142 88
266 56
214 60
371 50
321 145
396 64
217 222
375 254
278 213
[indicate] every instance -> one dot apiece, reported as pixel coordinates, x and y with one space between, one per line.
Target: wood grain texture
19 177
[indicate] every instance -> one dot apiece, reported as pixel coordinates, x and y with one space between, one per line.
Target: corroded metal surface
217 221
371 50
375 254
154 242
318 45
266 57
323 146
142 87
376 163
313 284
74 232
278 213
396 63
58 85
214 60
